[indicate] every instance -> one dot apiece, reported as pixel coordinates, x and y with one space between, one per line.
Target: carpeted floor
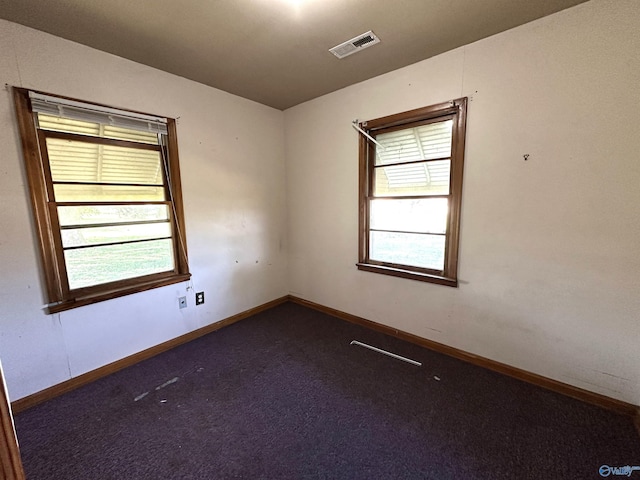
283 395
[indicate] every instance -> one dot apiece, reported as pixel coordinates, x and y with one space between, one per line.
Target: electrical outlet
199 298
182 302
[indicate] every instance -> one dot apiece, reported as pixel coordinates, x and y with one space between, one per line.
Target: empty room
320 239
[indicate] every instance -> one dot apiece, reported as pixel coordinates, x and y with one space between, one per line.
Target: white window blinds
61 107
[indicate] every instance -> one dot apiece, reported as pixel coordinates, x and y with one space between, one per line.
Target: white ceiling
275 51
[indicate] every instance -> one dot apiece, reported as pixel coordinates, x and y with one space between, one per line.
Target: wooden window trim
115 142
455 110
58 295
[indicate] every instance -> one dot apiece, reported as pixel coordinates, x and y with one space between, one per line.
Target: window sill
100 297
399 272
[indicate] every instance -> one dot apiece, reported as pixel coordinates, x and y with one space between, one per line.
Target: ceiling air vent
355 44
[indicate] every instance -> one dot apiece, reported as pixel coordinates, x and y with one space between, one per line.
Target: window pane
89 162
418 143
93 266
422 178
121 133
425 215
77 237
416 250
59 124
107 193
97 214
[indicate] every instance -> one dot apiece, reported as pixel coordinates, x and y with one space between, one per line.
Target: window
411 192
105 191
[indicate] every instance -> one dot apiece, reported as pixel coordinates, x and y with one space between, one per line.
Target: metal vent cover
355 44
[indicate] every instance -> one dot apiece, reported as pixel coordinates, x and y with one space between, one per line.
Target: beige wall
550 247
232 165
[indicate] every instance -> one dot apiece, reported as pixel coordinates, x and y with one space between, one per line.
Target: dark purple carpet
284 395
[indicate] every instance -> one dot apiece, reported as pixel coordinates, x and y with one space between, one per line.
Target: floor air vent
355 44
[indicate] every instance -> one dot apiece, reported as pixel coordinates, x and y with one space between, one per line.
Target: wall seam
15 53
64 343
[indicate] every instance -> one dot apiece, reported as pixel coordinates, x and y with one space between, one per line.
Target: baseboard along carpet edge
49 393
587 396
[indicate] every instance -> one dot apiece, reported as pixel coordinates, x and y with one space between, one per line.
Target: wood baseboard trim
529 377
76 382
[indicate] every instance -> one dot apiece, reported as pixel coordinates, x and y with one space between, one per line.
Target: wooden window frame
58 294
455 110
